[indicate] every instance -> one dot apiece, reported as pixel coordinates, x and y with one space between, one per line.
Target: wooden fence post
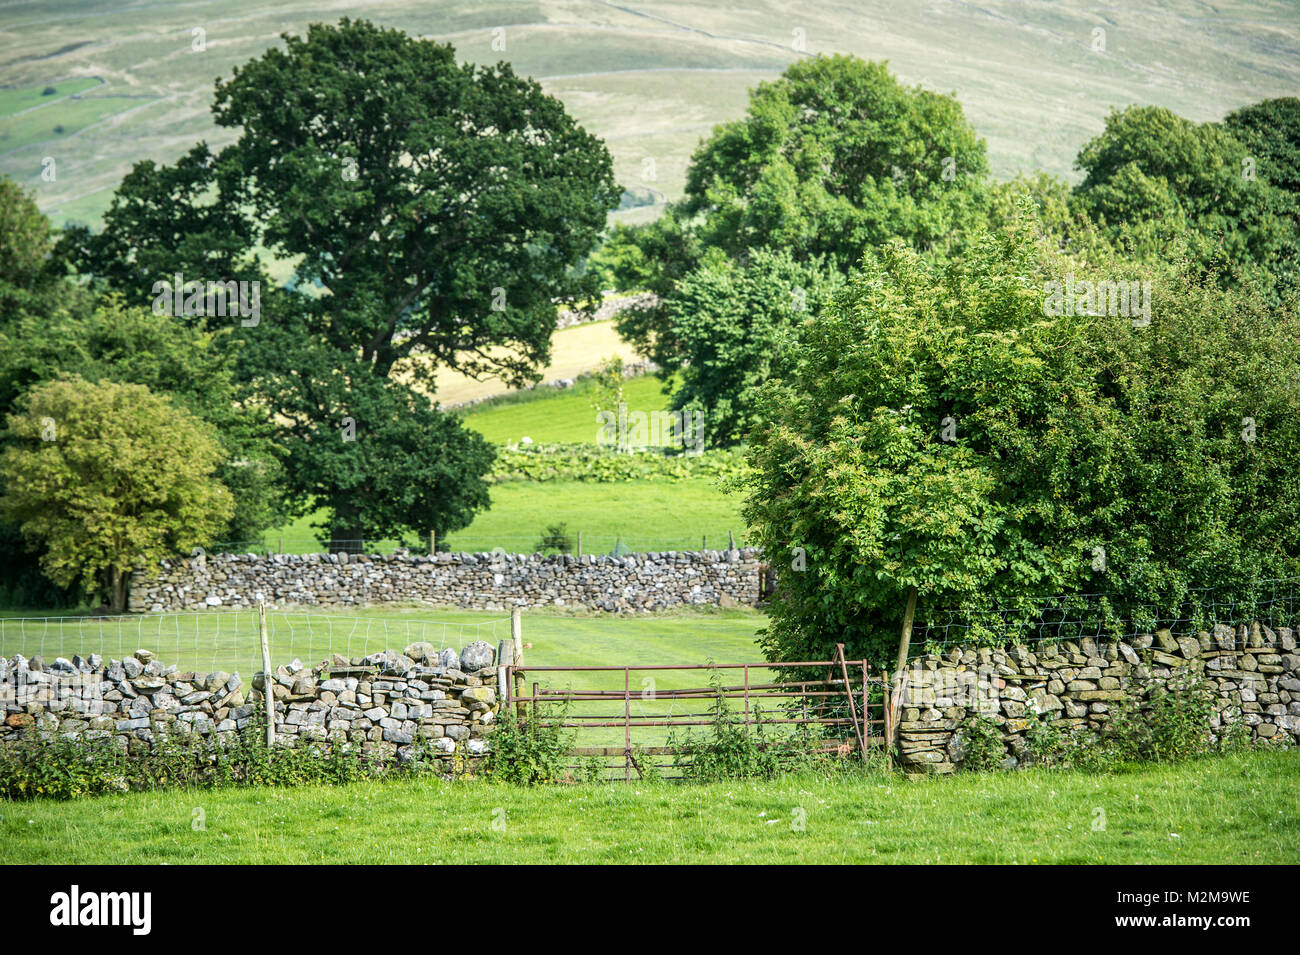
433 543
505 660
904 644
517 639
267 682
579 543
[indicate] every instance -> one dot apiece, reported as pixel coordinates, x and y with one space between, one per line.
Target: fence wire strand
208 641
1101 616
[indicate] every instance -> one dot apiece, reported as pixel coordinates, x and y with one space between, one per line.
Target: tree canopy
835 157
940 430
1169 181
108 476
441 206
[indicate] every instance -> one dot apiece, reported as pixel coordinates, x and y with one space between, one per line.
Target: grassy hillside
649 77
643 515
1238 810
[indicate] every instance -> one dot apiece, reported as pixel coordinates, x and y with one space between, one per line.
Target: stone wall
385 704
1253 673
636 582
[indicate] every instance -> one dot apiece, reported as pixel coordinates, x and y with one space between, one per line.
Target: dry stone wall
391 706
633 583
1252 671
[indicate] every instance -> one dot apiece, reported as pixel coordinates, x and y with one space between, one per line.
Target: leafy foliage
730 322
836 157
190 217
440 206
376 453
734 749
111 341
584 462
531 750
940 431
33 767
1270 131
1166 178
108 476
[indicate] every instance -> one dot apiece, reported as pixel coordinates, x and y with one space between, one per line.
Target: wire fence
230 641
592 543
1273 603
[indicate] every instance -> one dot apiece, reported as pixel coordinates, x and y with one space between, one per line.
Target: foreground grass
1238 809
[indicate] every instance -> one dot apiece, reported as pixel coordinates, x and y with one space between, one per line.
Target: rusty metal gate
629 719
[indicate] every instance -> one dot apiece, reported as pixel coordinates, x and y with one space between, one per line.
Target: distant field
643 515
566 417
17 100
651 78
1236 810
574 350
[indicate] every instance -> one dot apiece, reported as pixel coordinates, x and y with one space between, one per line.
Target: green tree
731 321
190 366
436 212
944 437
1270 131
1160 180
836 157
832 159
108 477
376 453
25 244
441 207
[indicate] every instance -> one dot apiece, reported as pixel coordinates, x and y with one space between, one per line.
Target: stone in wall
1253 672
629 584
391 705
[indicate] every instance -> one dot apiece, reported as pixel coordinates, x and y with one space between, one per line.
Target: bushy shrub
981 741
944 434
60 768
530 750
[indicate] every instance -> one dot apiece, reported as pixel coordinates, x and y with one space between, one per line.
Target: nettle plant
941 442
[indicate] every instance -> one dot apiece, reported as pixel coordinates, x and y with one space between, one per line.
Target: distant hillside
1036 78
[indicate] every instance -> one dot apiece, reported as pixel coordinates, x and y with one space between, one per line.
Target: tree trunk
117 581
905 640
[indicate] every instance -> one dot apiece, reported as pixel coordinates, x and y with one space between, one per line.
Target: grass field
651 78
574 350
645 515
566 417
227 640
1228 810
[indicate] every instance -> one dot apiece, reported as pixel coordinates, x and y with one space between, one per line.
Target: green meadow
1226 810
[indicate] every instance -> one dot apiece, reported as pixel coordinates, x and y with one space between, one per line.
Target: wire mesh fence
465 542
1273 603
230 641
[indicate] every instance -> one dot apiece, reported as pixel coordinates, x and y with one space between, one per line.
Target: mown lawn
1238 809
